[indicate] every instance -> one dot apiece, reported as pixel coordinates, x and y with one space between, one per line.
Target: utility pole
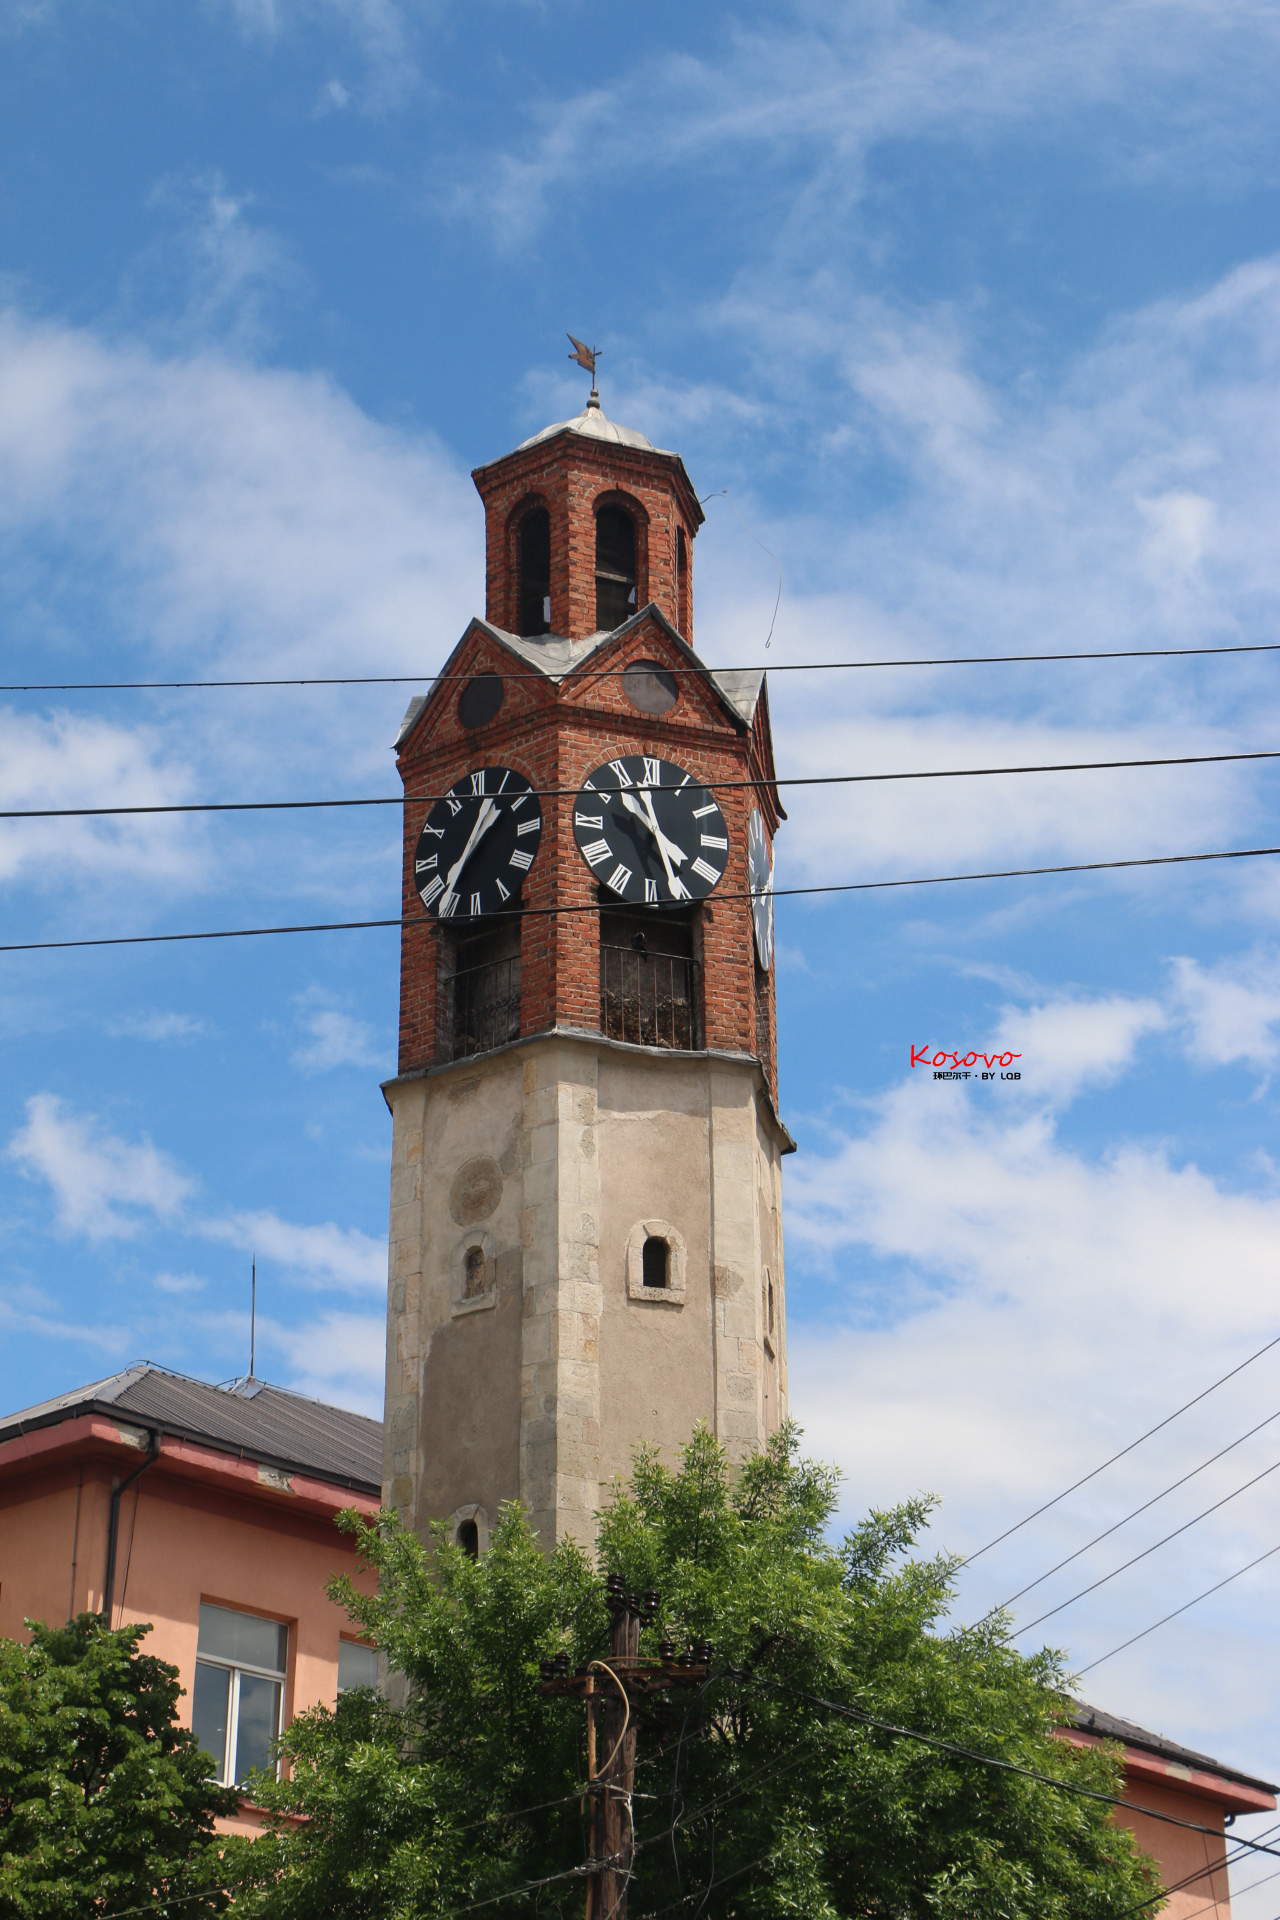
614 1691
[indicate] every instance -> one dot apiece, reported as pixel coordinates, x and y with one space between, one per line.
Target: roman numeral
521 859
705 872
506 775
597 851
710 840
700 813
502 890
454 806
650 890
477 782
595 820
449 907
624 778
430 891
653 773
437 833
532 826
475 905
517 804
684 783
618 878
587 787
426 866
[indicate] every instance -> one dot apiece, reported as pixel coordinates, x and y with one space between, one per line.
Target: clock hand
665 847
484 820
648 820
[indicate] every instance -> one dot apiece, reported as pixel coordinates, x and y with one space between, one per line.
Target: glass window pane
243 1637
209 1698
258 1724
357 1665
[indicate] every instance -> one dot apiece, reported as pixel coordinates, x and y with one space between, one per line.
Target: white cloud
179 1283
335 1039
340 1358
104 1187
1066 1045
332 98
1231 1010
155 1026
323 1256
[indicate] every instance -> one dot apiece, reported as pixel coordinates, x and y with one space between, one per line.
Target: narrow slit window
615 568
473 1278
468 1538
535 572
654 1261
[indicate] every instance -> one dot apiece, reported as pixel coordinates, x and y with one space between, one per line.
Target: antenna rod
253 1315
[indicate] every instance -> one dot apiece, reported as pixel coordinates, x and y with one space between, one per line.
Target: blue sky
974 312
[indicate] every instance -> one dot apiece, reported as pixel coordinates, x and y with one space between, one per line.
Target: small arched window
654 1262
473 1276
535 572
615 568
468 1538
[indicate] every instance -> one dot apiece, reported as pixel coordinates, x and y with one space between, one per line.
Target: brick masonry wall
572 476
555 736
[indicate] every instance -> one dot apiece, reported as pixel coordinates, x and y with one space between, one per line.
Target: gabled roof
1108 1726
266 1423
556 657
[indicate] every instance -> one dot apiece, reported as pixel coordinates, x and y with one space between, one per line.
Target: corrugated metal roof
262 1422
1110 1727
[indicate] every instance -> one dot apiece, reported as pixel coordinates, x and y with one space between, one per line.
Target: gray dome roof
592 425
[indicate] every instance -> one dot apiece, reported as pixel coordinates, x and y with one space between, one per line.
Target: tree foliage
105 1802
752 1799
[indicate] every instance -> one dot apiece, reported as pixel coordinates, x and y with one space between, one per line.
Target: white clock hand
484 820
665 847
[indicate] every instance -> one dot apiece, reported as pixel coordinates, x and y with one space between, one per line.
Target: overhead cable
778 893
1146 1553
1116 1525
554 793
785 666
1150 1434
1187 1605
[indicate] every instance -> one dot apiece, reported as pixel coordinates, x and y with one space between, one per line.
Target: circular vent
480 700
649 687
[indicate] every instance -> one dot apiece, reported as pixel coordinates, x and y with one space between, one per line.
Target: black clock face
649 833
477 844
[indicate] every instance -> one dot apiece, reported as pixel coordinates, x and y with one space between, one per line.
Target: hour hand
648 820
484 820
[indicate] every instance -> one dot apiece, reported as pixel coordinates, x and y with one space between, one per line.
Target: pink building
208 1511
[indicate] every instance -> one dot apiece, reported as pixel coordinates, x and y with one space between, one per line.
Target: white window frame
226 1773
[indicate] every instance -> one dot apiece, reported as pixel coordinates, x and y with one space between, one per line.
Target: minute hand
666 848
484 820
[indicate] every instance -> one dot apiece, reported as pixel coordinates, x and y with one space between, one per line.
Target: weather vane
586 357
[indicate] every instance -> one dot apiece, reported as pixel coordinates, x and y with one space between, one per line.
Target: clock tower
586 1190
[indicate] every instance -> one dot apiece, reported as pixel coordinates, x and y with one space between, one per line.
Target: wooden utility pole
613 1691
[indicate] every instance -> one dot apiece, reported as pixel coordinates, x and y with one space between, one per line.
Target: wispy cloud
155 1026
334 1038
103 1187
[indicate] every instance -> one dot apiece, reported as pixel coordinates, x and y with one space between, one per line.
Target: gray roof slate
1110 1727
262 1422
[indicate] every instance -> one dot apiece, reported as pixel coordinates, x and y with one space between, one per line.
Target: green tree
105 1802
751 1799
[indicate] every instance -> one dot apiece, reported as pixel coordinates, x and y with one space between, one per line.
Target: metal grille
479 1009
646 998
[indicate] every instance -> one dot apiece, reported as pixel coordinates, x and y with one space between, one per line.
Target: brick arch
511 553
618 497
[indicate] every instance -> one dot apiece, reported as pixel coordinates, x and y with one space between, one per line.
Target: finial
586 357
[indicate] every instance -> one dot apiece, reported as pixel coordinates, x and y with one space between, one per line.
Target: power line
1124 1451
1187 1605
1115 1528
787 666
779 893
560 793
1146 1551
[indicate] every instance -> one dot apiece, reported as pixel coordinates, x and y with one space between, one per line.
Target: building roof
592 424
1109 1727
269 1424
554 656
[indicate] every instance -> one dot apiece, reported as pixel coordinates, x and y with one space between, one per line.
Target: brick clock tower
586 1191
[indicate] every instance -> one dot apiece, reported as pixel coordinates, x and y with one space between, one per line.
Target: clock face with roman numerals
649 833
477 844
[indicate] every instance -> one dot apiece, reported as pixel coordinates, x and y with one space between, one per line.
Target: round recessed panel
480 700
649 687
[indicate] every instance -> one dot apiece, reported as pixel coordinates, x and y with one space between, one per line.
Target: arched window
468 1538
535 572
654 1262
473 1275
615 568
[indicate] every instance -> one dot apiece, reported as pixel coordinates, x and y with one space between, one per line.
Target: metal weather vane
586 358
